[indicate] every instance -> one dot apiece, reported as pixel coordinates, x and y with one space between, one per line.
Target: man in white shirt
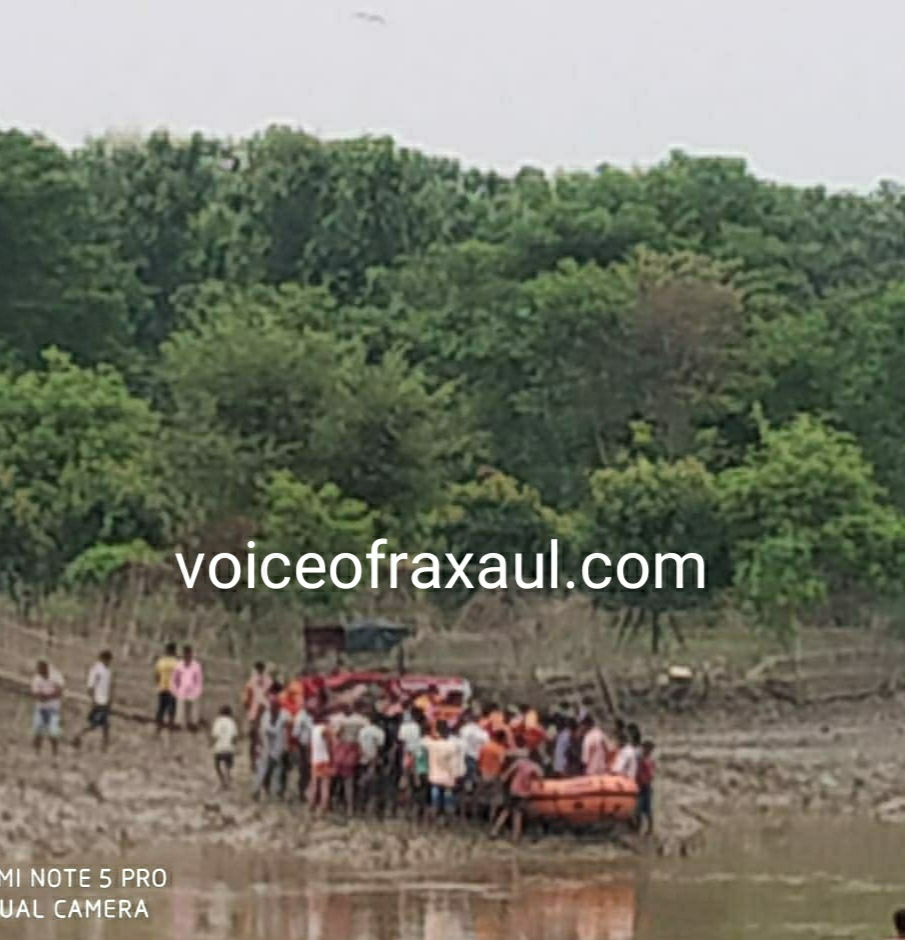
47 691
473 738
409 736
321 767
371 740
224 734
100 688
274 740
302 727
625 763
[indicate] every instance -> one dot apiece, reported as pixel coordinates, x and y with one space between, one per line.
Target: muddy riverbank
777 763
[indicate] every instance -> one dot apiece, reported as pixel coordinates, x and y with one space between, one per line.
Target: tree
452 347
78 467
98 564
591 350
249 384
656 508
861 380
776 578
60 282
272 388
808 521
324 213
497 515
297 518
148 195
389 438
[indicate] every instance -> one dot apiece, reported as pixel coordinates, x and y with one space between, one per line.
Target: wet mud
778 765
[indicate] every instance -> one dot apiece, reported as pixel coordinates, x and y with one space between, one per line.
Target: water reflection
826 878
531 910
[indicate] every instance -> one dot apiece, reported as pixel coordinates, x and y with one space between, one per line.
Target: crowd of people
374 751
383 753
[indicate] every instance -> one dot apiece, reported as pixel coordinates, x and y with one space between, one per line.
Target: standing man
163 676
595 748
473 738
224 734
321 767
300 748
562 744
626 761
519 776
443 758
100 688
371 741
274 725
254 699
47 691
345 727
187 684
645 778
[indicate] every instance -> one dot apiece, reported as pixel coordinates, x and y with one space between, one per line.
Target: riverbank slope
839 759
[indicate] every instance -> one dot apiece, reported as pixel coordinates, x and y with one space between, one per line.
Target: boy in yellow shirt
163 674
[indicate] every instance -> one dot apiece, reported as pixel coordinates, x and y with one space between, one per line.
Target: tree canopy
203 340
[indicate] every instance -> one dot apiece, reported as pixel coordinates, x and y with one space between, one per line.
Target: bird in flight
367 17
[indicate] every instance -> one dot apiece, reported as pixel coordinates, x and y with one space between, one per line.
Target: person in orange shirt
495 720
492 756
491 760
426 700
428 704
532 729
292 698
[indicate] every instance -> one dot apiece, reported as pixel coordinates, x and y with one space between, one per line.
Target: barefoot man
47 691
100 688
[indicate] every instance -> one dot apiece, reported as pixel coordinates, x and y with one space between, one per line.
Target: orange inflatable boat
581 801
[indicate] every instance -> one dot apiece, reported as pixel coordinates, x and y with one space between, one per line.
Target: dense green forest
311 342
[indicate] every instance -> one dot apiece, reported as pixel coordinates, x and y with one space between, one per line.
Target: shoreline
839 760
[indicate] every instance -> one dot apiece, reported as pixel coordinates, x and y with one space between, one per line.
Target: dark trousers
301 760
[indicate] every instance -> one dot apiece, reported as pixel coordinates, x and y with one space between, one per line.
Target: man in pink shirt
520 777
255 699
187 685
596 748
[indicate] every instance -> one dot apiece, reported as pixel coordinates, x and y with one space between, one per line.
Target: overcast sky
807 90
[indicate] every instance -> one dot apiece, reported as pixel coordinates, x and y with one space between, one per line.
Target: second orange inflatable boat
581 801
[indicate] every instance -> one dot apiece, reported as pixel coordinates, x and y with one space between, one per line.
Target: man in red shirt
645 779
520 776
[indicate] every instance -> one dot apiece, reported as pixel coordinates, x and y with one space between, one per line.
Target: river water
769 879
